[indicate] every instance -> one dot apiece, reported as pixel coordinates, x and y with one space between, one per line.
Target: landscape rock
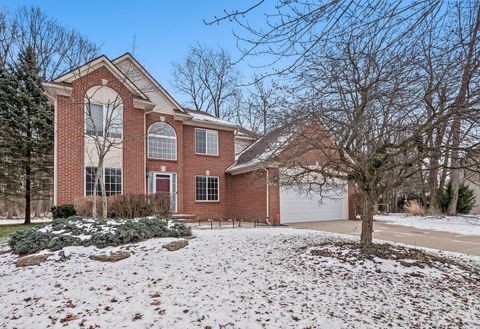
112 257
32 260
175 245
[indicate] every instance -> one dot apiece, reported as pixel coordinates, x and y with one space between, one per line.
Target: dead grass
414 208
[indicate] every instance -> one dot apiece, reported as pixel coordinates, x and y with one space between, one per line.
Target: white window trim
104 120
85 179
154 187
160 136
218 189
206 144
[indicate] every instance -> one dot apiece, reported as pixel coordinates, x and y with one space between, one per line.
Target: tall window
206 141
103 119
162 142
112 178
206 188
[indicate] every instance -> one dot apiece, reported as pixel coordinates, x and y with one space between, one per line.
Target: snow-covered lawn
4 221
466 225
239 278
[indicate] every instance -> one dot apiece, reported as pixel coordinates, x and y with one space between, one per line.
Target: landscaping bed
244 278
79 231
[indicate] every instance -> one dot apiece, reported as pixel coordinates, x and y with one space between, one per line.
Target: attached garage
296 207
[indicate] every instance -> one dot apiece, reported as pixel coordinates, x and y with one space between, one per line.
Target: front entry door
162 184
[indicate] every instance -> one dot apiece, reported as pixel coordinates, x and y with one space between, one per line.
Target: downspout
145 141
267 187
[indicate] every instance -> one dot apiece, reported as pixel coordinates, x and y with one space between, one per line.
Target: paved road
466 244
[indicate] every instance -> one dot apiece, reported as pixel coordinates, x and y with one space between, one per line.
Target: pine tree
28 137
10 183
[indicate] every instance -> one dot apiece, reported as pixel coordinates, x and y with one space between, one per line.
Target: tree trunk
455 172
27 195
94 196
367 222
104 197
461 102
433 185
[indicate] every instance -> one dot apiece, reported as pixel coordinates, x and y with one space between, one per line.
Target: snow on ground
236 278
465 225
21 221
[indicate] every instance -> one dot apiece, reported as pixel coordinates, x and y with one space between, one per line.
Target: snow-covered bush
78 231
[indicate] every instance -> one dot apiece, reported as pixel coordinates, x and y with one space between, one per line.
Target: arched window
162 142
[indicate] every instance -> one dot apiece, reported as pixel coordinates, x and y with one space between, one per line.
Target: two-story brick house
206 164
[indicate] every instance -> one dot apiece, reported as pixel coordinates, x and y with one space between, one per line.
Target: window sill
207 201
208 155
156 159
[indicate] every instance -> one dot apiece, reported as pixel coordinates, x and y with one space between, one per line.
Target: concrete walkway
446 241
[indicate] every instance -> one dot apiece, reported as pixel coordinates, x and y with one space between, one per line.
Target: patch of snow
234 278
197 116
271 150
21 221
465 225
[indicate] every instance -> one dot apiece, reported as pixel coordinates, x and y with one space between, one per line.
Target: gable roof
140 67
95 64
263 151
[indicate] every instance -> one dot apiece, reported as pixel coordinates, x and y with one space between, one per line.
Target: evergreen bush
466 198
63 211
78 231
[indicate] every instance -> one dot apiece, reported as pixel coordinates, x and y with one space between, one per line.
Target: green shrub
63 211
29 241
60 241
100 233
466 198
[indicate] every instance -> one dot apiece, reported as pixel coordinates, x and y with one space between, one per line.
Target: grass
7 230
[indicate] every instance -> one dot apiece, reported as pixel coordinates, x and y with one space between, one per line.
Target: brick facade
242 196
70 138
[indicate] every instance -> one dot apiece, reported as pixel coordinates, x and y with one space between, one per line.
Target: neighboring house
210 167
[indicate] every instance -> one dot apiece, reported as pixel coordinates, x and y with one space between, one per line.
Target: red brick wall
249 197
70 138
70 152
194 165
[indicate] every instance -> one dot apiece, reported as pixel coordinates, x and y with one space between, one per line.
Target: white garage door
295 207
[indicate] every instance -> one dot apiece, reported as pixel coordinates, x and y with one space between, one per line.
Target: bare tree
57 48
262 105
208 78
355 67
468 38
104 132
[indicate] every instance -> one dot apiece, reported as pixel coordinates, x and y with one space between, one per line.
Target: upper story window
206 141
103 120
162 142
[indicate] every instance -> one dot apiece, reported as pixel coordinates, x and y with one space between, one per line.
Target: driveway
446 241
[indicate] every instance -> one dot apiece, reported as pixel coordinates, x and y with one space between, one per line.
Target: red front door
162 184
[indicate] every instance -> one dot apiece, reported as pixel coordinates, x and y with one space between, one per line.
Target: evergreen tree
9 181
27 119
